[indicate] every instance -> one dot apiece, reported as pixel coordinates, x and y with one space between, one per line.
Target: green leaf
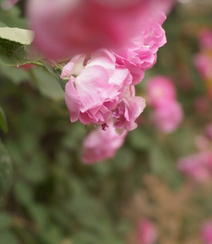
47 83
3 122
6 220
14 44
8 238
22 36
6 172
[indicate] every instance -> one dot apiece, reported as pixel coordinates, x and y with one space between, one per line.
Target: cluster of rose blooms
101 88
112 43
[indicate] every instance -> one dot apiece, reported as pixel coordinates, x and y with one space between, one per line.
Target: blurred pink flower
64 28
197 166
203 64
160 91
140 53
168 117
205 38
101 144
147 233
98 89
206 232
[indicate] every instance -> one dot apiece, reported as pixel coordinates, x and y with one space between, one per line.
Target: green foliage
6 172
3 122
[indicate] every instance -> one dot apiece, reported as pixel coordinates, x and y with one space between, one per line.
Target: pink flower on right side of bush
206 232
196 166
167 111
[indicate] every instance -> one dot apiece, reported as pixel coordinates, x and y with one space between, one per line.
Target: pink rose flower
140 53
168 117
206 232
160 90
147 233
64 28
101 144
128 110
98 90
197 166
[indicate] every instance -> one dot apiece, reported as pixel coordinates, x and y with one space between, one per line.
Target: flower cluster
168 113
112 43
101 86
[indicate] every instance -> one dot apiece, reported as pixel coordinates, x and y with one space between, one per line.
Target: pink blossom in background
203 64
205 38
206 232
160 90
197 166
101 144
167 112
64 28
140 53
147 233
168 117
98 90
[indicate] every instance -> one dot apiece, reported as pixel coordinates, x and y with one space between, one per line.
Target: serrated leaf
3 122
13 53
14 44
6 172
21 36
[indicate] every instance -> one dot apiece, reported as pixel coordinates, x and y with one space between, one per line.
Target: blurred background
158 187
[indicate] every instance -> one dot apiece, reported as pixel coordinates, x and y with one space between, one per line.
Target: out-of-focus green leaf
23 193
139 139
8 238
3 122
6 172
5 220
15 74
47 84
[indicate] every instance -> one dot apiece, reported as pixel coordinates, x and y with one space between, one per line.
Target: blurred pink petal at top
206 232
101 144
64 28
147 233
